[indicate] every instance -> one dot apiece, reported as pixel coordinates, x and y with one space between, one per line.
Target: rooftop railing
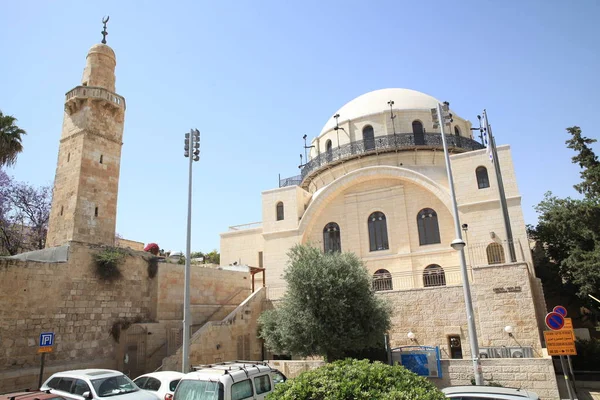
380 144
97 93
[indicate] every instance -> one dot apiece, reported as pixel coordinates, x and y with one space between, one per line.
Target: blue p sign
46 339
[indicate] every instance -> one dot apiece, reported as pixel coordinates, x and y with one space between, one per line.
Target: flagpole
505 215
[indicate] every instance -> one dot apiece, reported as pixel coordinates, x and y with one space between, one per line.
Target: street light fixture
192 141
442 117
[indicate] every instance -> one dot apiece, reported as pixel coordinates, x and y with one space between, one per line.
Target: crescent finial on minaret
104 33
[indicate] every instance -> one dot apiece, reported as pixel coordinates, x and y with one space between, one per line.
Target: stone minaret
84 203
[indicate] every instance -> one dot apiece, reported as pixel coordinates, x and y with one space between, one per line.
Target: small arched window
369 138
456 131
382 280
482 178
433 275
418 133
331 238
280 211
378 238
328 150
495 253
429 230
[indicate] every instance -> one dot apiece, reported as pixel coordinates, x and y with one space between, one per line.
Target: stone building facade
376 184
84 202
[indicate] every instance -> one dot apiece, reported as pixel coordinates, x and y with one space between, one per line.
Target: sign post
46 343
561 342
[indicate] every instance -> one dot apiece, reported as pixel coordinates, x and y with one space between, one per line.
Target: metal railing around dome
380 144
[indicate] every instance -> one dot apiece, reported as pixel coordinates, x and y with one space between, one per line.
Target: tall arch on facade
331 238
429 229
418 133
378 237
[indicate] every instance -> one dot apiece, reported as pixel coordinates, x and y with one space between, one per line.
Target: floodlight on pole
192 141
442 117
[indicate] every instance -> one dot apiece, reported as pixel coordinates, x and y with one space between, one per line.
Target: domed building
375 184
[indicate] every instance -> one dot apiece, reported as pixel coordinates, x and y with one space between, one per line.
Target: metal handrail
380 144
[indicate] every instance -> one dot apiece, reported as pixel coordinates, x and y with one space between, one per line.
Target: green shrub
353 379
588 355
107 263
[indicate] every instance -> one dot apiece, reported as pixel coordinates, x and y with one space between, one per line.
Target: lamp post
458 244
192 142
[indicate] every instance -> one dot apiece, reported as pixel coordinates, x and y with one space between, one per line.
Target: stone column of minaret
84 203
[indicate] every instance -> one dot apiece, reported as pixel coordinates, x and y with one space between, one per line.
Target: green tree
352 379
213 257
569 229
10 139
329 308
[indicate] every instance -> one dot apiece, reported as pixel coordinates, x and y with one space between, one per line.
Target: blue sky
254 77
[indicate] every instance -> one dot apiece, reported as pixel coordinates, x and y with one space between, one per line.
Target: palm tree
10 140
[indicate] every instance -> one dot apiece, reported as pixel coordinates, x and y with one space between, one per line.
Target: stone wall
71 301
534 374
435 313
233 338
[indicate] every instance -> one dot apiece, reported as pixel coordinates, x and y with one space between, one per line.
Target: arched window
369 138
433 275
482 178
382 280
418 133
456 131
331 237
378 239
429 230
280 211
495 253
328 150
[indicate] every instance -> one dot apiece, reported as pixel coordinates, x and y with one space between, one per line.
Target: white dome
377 101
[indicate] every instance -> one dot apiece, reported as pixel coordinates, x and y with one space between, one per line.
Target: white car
95 384
488 392
161 383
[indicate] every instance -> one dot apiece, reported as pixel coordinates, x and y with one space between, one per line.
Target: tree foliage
24 215
569 229
329 308
10 140
352 379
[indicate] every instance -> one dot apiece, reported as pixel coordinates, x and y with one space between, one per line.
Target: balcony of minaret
76 97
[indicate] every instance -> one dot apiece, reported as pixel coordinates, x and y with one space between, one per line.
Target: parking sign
46 339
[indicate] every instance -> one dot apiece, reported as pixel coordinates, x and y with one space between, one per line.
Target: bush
108 261
588 355
353 379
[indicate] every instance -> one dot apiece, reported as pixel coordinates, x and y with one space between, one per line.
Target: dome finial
104 33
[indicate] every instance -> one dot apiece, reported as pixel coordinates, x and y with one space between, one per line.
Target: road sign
560 343
46 339
568 324
560 310
45 349
555 321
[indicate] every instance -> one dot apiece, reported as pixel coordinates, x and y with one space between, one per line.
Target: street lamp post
192 142
459 245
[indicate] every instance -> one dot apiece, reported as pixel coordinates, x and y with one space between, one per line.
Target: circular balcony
379 145
75 96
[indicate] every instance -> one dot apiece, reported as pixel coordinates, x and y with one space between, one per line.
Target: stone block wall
534 374
233 338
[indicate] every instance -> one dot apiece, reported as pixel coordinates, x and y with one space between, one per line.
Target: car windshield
199 390
113 386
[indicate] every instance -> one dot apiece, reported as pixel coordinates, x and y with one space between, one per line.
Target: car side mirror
87 395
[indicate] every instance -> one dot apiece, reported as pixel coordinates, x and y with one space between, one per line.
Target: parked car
488 392
234 380
95 384
35 395
160 383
